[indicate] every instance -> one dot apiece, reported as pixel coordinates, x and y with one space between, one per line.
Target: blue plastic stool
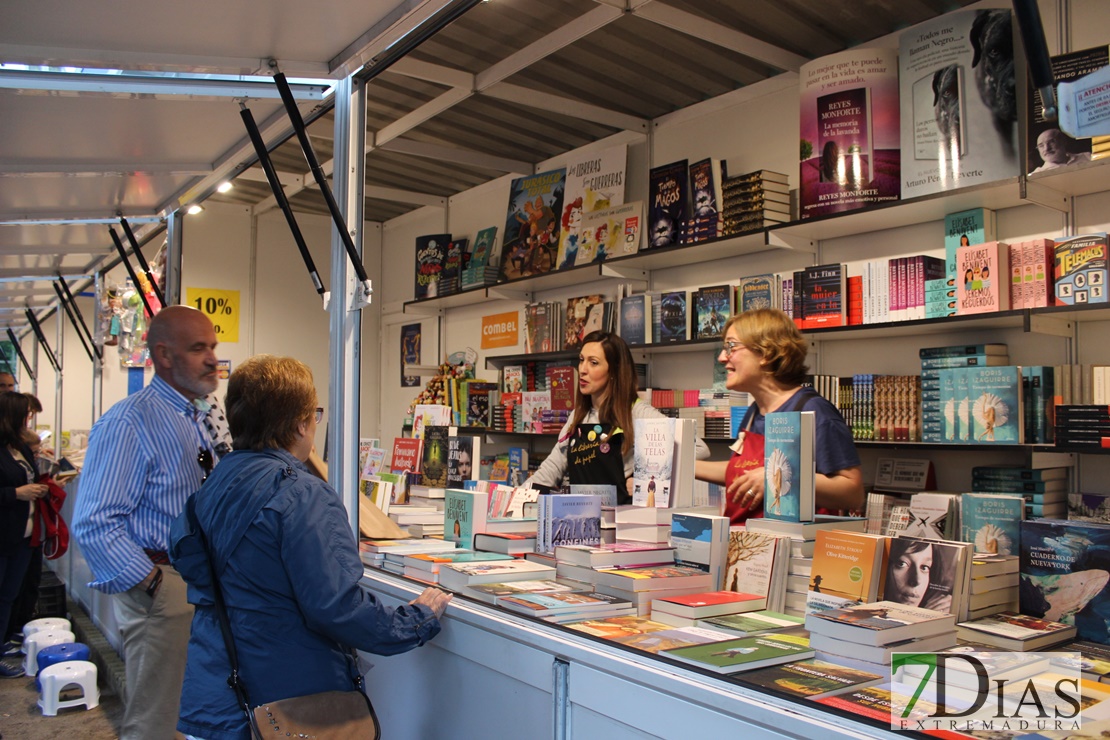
63 653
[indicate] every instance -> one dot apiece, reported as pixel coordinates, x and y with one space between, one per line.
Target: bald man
1053 145
145 456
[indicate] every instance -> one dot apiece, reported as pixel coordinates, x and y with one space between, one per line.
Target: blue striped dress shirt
140 467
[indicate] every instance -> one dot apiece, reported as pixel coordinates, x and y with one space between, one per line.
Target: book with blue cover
992 522
1065 568
673 317
701 541
961 379
757 291
635 323
712 308
950 423
997 412
789 466
464 514
572 519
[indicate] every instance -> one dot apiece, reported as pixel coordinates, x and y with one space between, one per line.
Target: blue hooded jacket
289 569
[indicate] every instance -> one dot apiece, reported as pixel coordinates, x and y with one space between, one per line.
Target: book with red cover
407 453
560 383
709 604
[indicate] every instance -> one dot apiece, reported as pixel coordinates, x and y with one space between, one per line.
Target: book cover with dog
849 131
959 102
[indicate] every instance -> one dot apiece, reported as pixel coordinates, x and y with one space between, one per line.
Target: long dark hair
14 408
616 406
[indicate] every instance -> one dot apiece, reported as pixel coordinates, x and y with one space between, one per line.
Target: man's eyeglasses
729 347
204 459
319 414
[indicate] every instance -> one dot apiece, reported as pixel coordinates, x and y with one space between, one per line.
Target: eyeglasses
319 414
729 347
204 459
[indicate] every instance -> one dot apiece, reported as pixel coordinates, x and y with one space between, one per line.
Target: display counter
493 674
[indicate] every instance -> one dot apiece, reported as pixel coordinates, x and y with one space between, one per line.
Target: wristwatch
155 582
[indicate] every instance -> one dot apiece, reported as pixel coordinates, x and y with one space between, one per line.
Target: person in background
146 455
764 354
7 382
18 492
287 564
26 603
606 405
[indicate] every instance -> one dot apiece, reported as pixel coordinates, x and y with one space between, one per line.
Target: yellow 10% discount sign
221 306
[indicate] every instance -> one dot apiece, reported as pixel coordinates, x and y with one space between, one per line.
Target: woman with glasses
286 560
595 446
764 354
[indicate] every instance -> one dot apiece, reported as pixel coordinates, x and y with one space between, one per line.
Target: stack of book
1087 427
935 409
373 552
420 521
1012 631
643 524
491 592
961 681
871 633
566 606
427 496
458 576
744 653
685 611
425 566
753 623
994 585
508 543
617 555
639 585
755 200
1044 490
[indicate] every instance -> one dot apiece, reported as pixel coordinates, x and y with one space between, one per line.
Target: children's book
712 308
668 194
530 243
431 254
1081 269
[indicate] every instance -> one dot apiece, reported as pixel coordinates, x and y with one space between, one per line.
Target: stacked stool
36 641
45 624
63 653
58 677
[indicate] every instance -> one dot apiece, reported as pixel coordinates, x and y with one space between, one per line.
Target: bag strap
234 680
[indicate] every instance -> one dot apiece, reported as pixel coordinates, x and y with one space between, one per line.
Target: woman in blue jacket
287 562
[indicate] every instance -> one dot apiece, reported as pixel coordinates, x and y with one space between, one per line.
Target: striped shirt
140 467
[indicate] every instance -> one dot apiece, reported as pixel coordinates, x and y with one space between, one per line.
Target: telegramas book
959 101
595 180
531 242
789 466
849 131
652 462
668 194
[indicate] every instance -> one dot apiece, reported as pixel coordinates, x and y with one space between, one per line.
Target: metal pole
84 327
142 260
98 367
73 319
59 342
22 357
130 270
36 327
175 235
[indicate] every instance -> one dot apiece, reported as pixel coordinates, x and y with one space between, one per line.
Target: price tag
221 306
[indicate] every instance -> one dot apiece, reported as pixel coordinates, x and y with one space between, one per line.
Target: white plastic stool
57 677
37 641
45 624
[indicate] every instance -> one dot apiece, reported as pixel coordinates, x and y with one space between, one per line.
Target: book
706 187
426 415
931 515
456 576
670 639
847 569
744 653
992 522
1064 574
594 180
823 297
925 573
673 317
879 623
490 592
653 578
1048 147
752 560
484 245
577 324
433 465
572 519
701 541
997 404
757 291
668 195
464 515
531 239
1080 268
811 679
477 402
635 319
982 278
1018 632
431 253
610 232
849 114
959 121
754 622
614 627
709 604
556 602
789 466
653 455
462 451
616 555
963 350
504 542
712 308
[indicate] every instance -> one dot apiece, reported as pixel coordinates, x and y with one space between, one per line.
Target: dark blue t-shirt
834 449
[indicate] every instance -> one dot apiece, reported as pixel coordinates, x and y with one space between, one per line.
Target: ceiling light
224 187
194 209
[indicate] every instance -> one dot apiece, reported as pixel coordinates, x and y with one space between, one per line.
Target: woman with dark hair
764 354
918 574
595 446
18 492
286 560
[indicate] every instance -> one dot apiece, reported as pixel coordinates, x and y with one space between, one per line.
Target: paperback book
757 291
431 253
1065 568
433 466
712 308
652 462
744 653
701 541
789 466
811 679
594 180
531 239
668 195
673 317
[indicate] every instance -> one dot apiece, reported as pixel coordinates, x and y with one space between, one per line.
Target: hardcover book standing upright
789 466
673 313
757 291
823 296
531 242
431 253
957 86
668 193
713 307
652 461
983 278
974 226
849 131
595 180
1081 269
635 323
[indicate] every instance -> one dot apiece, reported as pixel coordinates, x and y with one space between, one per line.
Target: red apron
750 456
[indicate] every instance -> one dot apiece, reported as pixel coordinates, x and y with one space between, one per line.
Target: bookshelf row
1049 189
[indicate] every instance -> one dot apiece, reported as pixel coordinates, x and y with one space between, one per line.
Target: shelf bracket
508 294
639 278
419 310
785 241
1043 195
1052 326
